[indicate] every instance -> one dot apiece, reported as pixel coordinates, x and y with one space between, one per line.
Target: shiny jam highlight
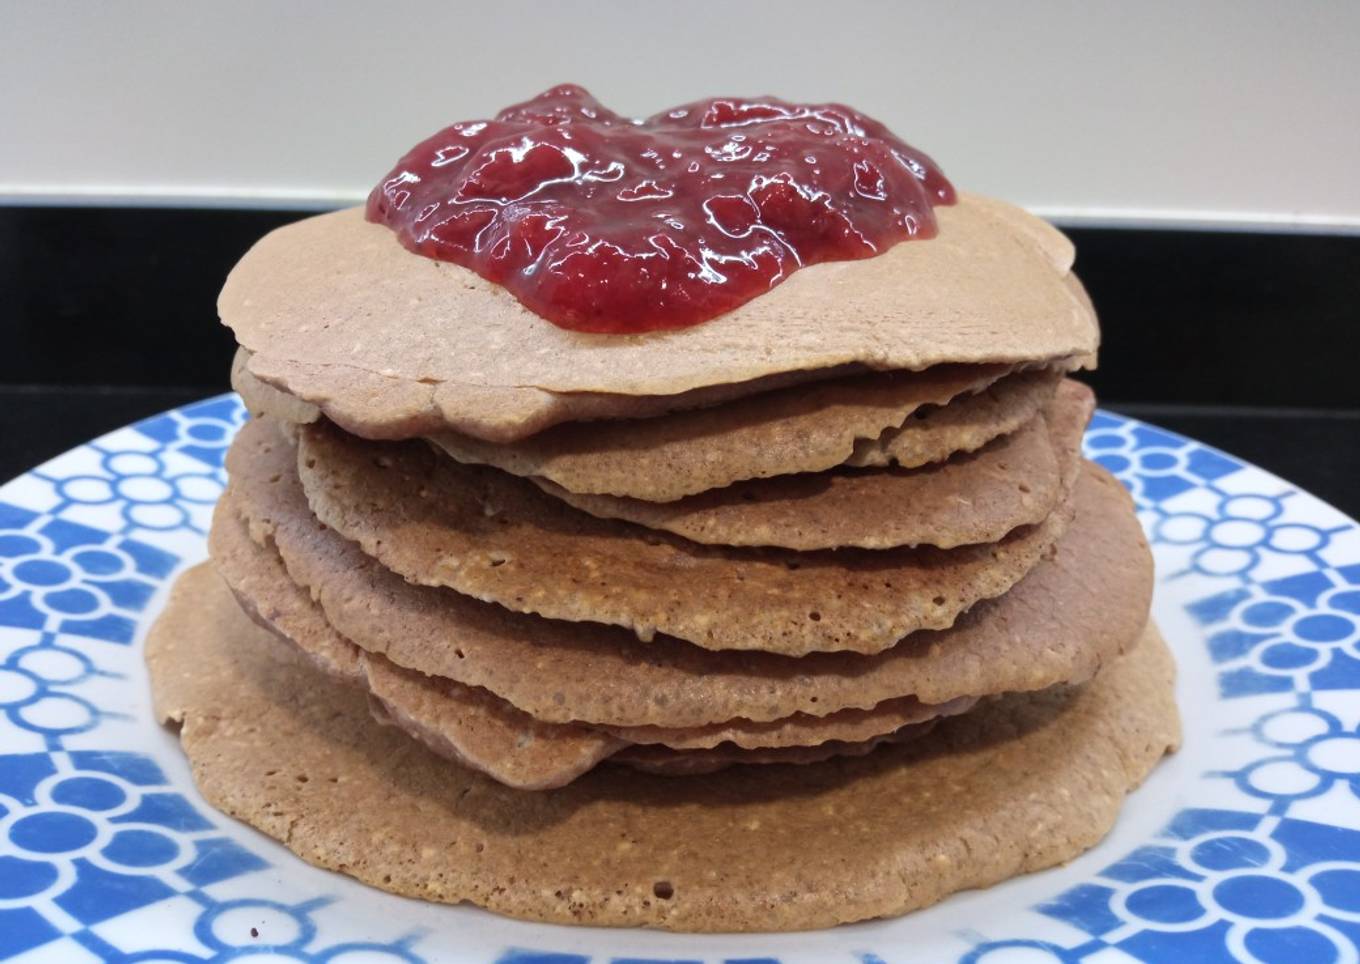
600 223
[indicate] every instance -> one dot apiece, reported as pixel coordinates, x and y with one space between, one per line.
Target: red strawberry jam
604 224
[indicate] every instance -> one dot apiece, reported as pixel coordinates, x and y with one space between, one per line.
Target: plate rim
1168 473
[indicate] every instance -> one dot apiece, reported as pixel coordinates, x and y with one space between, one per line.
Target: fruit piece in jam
600 223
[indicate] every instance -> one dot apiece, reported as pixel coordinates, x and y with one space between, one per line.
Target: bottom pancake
1019 784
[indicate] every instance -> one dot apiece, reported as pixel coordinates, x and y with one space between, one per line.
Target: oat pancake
473 727
799 730
448 717
931 434
965 425
481 730
266 594
526 410
666 762
975 497
1018 784
478 729
659 759
453 712
500 539
1073 613
261 398
388 343
463 723
805 428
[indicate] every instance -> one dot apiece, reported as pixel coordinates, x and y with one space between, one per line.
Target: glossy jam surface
600 223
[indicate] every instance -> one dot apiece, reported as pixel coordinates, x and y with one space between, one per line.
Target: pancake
805 428
542 411
391 344
446 717
262 588
1018 784
665 762
500 539
798 731
261 398
462 723
965 425
1015 481
477 728
1073 613
472 727
432 704
662 760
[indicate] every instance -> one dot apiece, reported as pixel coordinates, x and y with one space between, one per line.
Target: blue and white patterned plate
1245 845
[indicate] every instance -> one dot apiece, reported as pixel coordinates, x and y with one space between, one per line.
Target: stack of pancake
808 614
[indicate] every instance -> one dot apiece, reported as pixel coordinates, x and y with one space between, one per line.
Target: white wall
1242 111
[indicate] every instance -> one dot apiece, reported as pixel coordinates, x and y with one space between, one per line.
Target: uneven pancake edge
803 428
974 497
965 425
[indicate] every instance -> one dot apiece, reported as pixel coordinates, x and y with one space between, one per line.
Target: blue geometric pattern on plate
105 855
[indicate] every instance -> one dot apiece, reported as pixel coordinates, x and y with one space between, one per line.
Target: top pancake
389 343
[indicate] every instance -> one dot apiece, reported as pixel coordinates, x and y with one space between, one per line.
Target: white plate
1246 844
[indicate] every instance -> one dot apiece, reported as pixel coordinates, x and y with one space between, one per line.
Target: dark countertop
1318 451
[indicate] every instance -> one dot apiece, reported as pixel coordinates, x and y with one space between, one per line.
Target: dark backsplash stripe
126 296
